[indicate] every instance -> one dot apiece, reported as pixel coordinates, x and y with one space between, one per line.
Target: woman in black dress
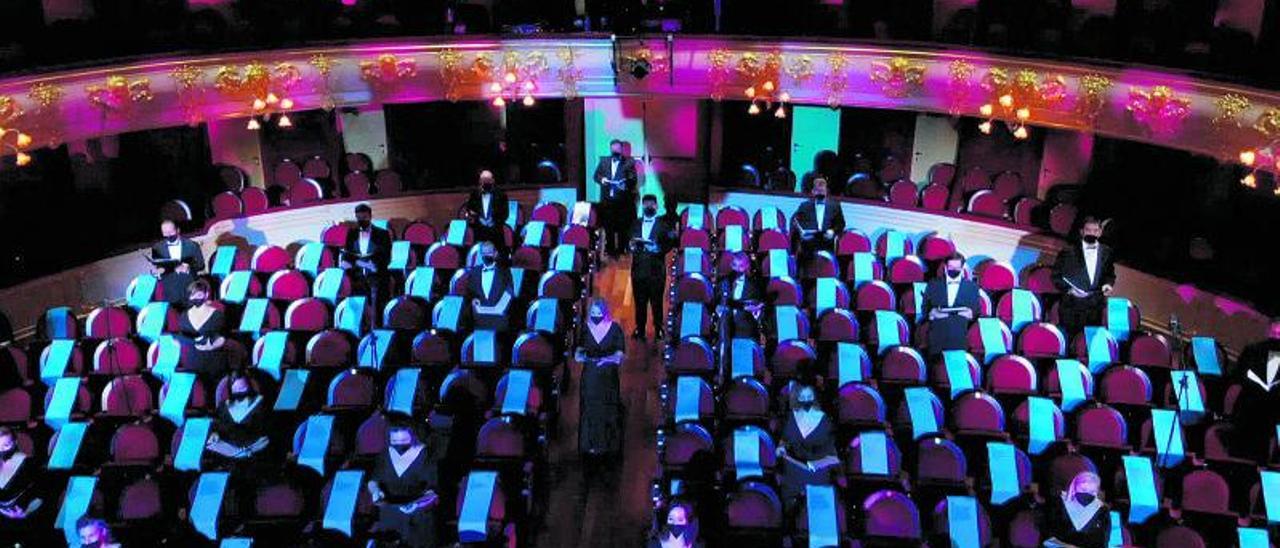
202 325
1078 517
403 486
807 447
18 497
600 350
240 426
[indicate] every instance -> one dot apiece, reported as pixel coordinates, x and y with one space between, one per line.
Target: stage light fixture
23 140
286 103
986 110
259 104
753 109
528 100
22 159
1250 181
780 113
985 127
285 121
1020 133
254 125
1024 113
499 102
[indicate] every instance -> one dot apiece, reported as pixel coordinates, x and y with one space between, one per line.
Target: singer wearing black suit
616 201
174 278
365 256
742 297
487 209
1085 274
651 238
949 330
817 222
490 290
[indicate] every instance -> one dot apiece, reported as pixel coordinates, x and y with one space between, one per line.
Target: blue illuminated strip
473 518
1141 479
341 508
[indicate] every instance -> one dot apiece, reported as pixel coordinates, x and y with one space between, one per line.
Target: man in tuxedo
950 303
742 298
1257 407
817 222
490 289
616 175
487 209
651 238
1085 274
176 261
365 256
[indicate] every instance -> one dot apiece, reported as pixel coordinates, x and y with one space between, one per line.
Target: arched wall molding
1198 114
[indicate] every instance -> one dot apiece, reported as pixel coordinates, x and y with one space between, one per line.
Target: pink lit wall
57 10
943 10
1244 15
1066 159
232 143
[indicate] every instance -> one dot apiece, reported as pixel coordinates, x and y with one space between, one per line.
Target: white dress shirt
613 168
484 203
646 227
486 279
175 249
363 242
1091 261
953 289
738 285
819 210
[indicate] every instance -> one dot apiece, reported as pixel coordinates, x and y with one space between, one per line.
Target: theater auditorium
651 273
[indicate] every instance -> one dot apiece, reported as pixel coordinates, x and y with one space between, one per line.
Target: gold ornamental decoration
718 71
191 91
1161 110
45 121
457 74
799 68
1091 95
518 78
119 94
1229 108
569 73
763 74
836 79
324 85
959 85
898 77
388 71
13 140
256 80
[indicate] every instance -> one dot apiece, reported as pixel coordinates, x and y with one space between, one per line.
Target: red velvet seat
904 193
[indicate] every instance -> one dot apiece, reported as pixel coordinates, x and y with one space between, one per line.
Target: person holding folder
616 174
1257 407
1085 274
402 486
740 299
950 303
365 256
489 287
651 238
175 261
487 210
817 222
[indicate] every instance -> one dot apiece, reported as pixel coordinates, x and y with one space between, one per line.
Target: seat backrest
891 514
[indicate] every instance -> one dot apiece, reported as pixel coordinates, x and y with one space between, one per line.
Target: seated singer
817 223
176 261
950 303
741 299
487 209
1085 274
651 238
366 255
616 175
489 287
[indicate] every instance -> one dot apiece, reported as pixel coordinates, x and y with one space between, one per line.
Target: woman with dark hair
680 530
403 486
240 425
19 500
600 350
807 446
202 325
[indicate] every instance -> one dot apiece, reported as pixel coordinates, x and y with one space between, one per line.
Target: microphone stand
1180 391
